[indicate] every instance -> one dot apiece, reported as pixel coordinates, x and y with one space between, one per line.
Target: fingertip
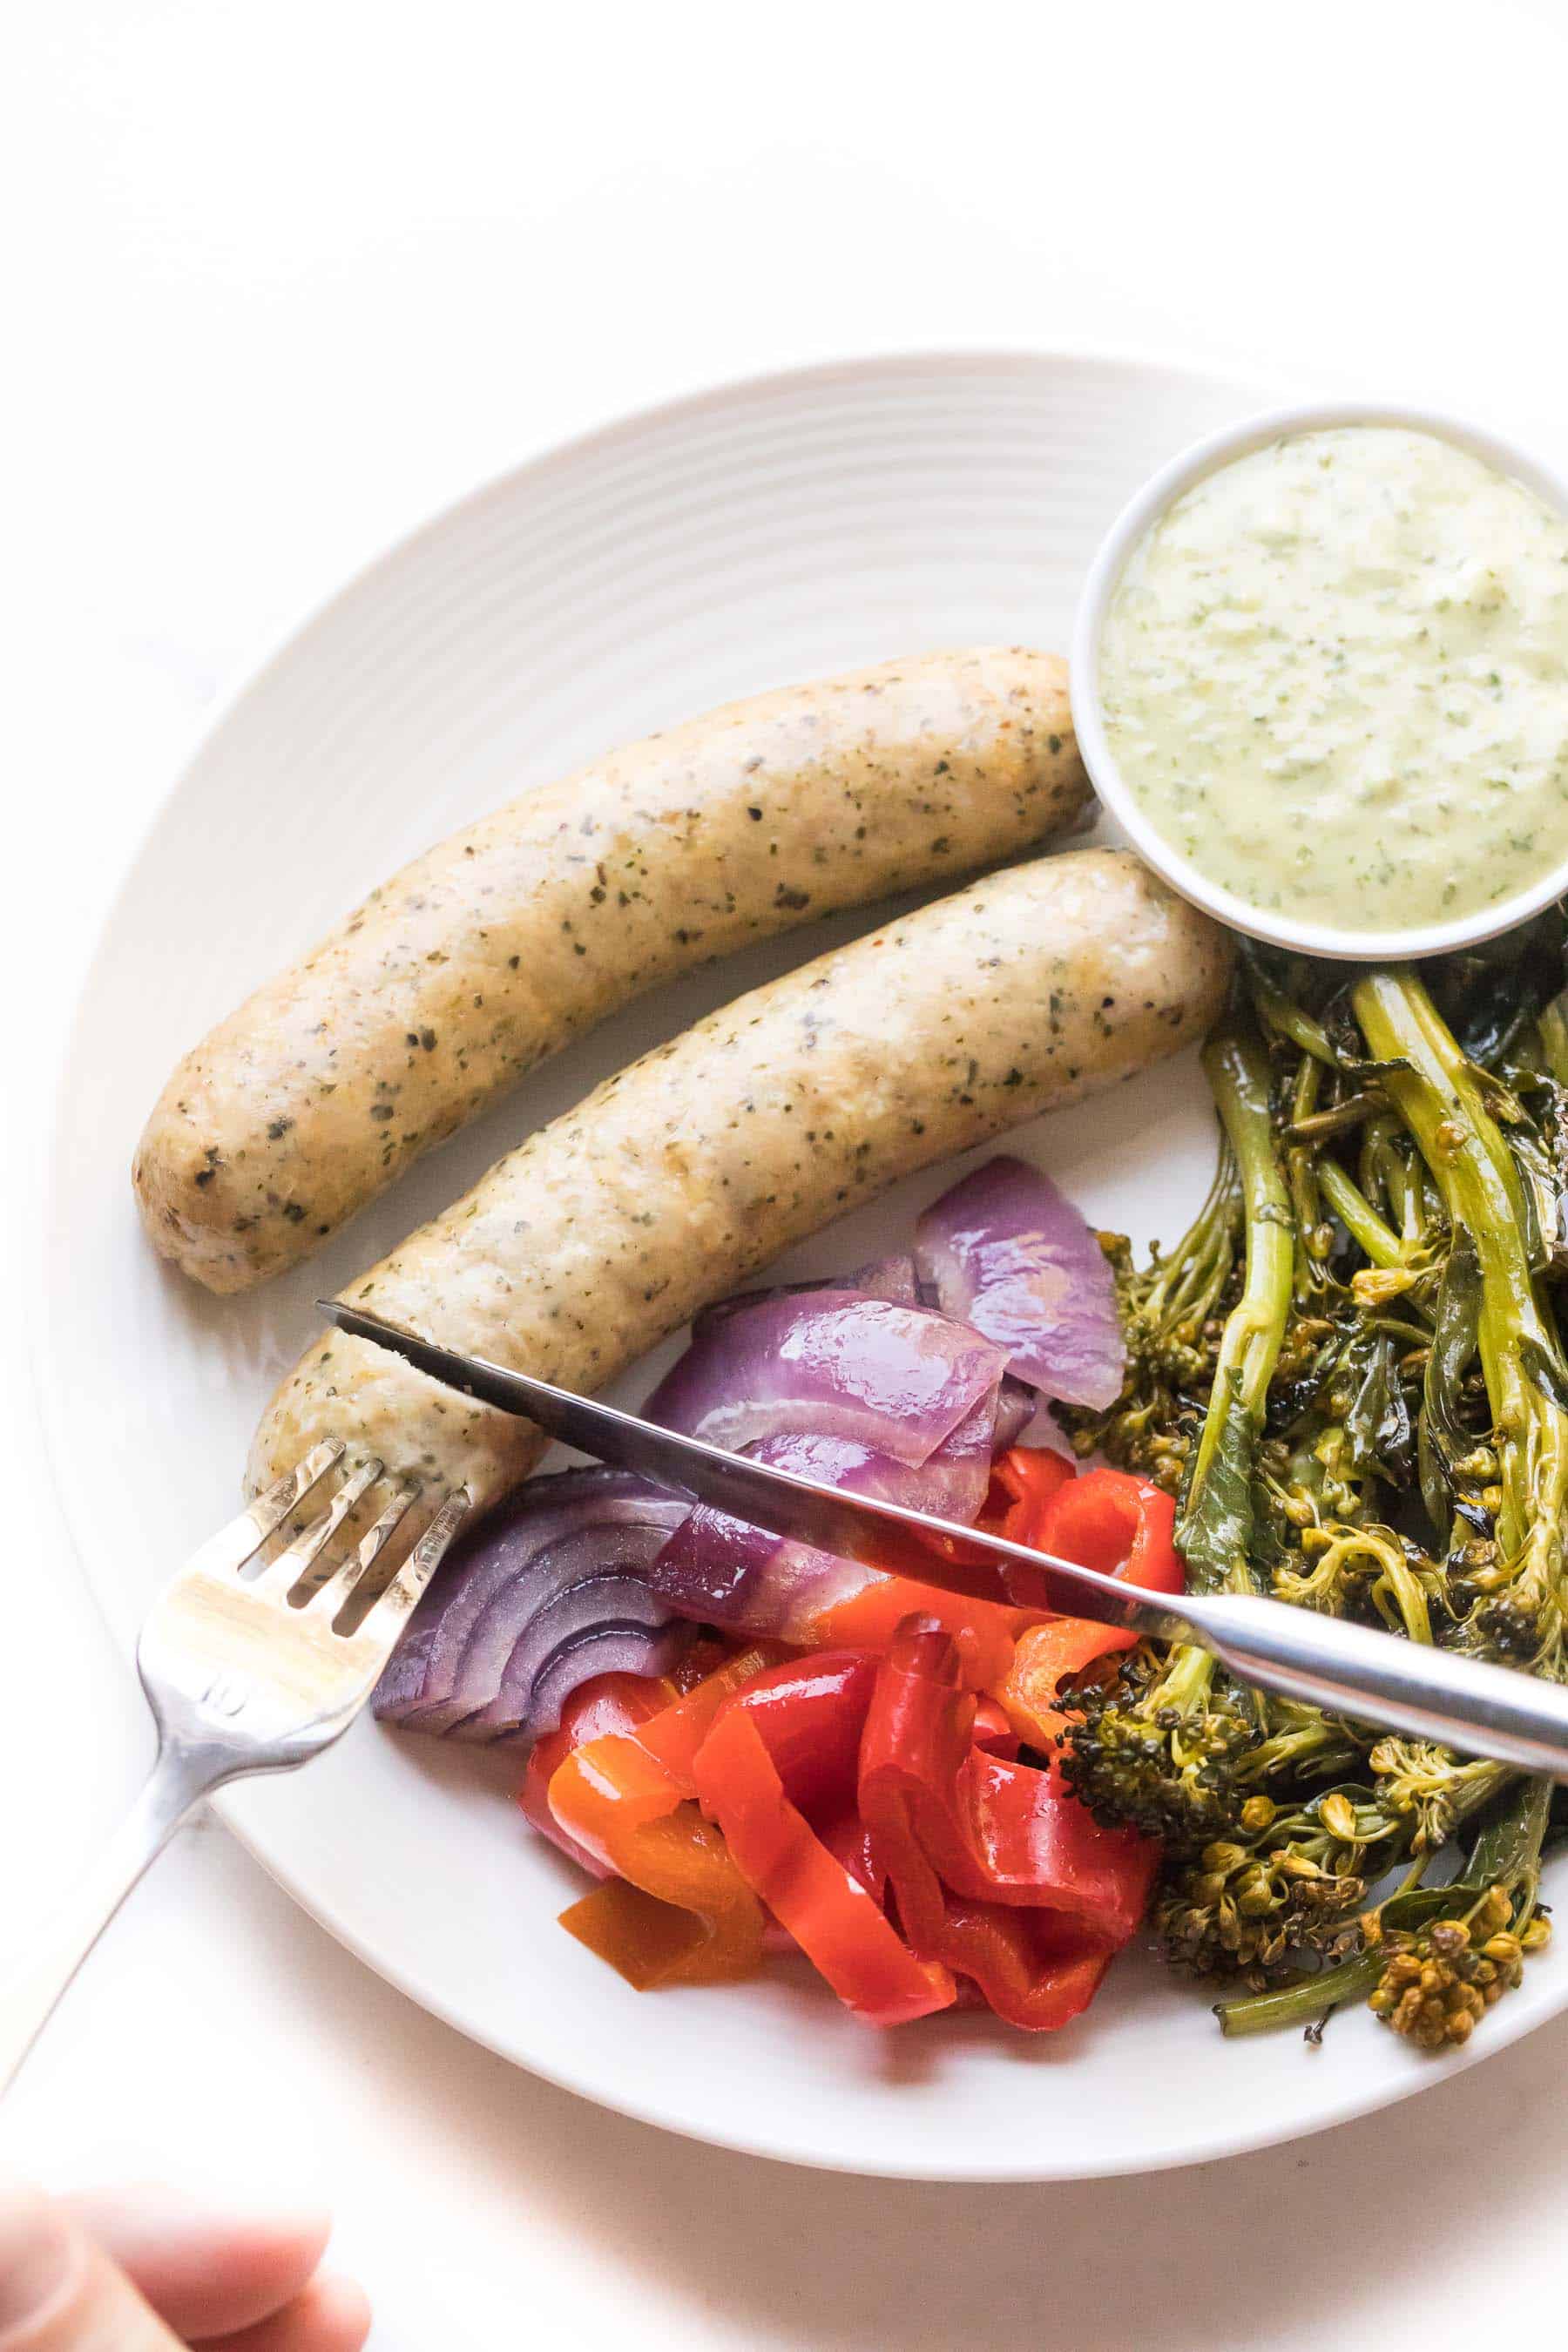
272 2256
293 2239
207 2269
339 2313
39 2253
331 2315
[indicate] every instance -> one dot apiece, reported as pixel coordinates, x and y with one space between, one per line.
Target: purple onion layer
1010 1255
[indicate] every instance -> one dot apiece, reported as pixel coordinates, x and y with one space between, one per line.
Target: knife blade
883 1535
1466 1703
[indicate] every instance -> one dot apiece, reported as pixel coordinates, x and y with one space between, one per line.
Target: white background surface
282 281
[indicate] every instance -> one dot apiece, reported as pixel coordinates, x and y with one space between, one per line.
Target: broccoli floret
1302 1744
1432 1789
1287 1887
1366 1571
1157 1748
1431 1961
1438 1982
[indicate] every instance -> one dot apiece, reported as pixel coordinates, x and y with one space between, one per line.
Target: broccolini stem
1217 1518
1301 1741
1305 2000
1404 1187
1552 1023
1278 1012
1300 1173
1436 1095
1192 1276
1358 1216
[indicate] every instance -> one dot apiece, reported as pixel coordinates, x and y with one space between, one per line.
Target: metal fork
242 1675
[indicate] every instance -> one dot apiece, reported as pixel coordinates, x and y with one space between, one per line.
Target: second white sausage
680 1177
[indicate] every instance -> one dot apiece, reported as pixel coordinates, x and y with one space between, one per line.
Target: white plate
765 532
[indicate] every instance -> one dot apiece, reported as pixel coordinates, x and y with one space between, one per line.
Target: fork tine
330 1597
386 1616
243 1538
268 1511
282 1574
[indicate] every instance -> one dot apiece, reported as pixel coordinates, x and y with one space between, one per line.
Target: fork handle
28 1996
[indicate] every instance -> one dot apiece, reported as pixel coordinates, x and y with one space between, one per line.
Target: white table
293 278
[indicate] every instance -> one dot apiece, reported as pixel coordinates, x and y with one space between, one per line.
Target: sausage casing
497 947
679 1178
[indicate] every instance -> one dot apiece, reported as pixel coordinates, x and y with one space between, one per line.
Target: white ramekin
1127 534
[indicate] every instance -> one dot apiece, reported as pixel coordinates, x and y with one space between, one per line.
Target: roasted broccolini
1349 1369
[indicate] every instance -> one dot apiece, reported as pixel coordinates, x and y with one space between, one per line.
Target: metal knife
1353 1670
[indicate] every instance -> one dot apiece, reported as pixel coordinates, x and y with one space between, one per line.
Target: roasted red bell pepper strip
1023 1482
788 1741
1039 1473
992 1728
1030 1841
992 1828
962 1836
848 1840
1034 1971
811 1712
1121 1524
1033 1968
1105 1520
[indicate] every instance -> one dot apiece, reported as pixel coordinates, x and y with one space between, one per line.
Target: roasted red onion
902 1383
892 1279
552 1590
728 1573
825 1379
830 1364
1017 1405
1009 1255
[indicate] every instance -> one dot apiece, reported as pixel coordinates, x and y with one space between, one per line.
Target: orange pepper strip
1043 1658
609 1703
985 1631
624 1799
702 1926
672 1739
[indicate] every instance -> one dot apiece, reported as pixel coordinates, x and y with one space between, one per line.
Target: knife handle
1480 1709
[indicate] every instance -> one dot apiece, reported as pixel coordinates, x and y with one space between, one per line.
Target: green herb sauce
1335 676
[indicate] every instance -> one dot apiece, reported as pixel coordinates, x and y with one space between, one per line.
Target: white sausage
678 1179
497 947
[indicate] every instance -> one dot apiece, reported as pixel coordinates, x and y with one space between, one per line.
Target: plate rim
230 1805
